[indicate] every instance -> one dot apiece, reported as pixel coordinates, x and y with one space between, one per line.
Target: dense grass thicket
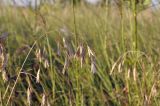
79 56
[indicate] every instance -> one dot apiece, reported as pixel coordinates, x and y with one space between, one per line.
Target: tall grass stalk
122 26
135 36
78 97
74 20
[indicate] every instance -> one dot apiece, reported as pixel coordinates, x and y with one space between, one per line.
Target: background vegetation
79 55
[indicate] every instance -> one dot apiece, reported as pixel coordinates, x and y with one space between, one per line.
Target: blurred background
33 3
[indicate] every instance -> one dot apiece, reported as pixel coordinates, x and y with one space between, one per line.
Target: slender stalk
122 27
135 36
76 44
74 19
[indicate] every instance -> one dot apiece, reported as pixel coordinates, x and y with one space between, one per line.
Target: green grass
121 78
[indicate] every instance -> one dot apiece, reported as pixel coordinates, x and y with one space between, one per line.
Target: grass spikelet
38 55
128 74
29 96
120 68
2 57
80 53
90 52
93 60
44 100
153 92
46 63
77 54
93 67
5 76
66 65
68 46
134 74
58 49
38 76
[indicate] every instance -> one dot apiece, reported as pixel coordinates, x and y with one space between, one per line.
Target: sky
93 1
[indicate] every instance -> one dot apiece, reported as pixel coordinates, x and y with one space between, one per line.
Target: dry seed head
5 62
44 100
120 68
90 52
64 43
80 53
146 100
65 31
38 76
93 67
5 75
128 74
154 90
134 74
38 55
68 46
1 49
58 49
46 63
113 67
2 57
66 65
29 96
77 54
125 90
44 52
48 104
93 60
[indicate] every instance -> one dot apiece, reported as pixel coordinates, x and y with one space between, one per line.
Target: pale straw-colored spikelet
154 91
77 54
93 67
5 76
134 74
38 76
66 65
38 55
80 54
120 68
5 62
65 43
90 52
113 67
68 46
48 104
93 60
2 57
29 96
58 49
44 100
128 74
46 63
65 31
